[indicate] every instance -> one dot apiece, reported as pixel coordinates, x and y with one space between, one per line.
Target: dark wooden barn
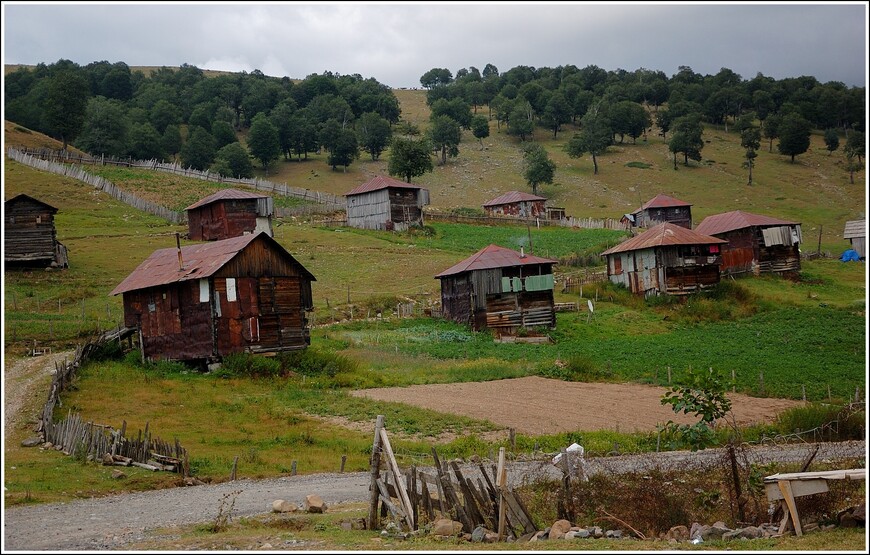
856 232
756 244
29 235
665 259
229 213
662 209
387 204
499 289
518 204
205 301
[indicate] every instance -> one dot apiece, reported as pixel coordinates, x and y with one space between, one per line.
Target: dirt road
25 384
113 522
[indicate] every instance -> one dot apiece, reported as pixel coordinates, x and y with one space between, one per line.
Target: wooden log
403 494
145 466
375 472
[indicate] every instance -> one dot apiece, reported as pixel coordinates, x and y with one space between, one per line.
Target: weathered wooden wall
222 220
677 215
522 209
29 232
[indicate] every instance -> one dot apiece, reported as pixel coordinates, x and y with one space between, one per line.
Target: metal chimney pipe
178 245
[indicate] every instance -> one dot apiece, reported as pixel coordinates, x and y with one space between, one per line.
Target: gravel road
112 522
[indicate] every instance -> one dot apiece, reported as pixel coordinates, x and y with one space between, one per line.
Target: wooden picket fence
317 202
92 441
584 223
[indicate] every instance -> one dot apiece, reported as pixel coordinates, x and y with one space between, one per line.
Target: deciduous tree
445 135
794 135
263 140
409 157
594 137
374 133
832 140
686 138
750 139
538 166
66 103
236 159
480 128
198 151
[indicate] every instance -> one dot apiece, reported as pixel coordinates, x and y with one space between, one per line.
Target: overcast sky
397 42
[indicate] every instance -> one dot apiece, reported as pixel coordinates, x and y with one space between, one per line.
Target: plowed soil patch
536 406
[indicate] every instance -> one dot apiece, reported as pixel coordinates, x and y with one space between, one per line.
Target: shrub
831 422
247 364
312 362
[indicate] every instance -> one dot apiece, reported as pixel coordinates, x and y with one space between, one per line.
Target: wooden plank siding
675 269
30 237
677 215
390 208
746 253
222 220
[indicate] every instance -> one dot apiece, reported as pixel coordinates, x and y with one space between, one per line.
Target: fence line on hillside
585 223
321 203
78 173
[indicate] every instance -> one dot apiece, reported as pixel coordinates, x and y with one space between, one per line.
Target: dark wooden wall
222 220
29 232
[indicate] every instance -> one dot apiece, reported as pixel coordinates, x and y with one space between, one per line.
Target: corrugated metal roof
381 182
225 194
737 219
665 234
494 256
662 201
511 197
22 198
855 228
200 261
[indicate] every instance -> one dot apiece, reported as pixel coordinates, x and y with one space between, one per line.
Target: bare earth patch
537 406
25 386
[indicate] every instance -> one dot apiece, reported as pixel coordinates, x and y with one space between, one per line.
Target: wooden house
665 259
387 204
662 209
499 289
29 235
229 213
516 204
205 301
756 244
856 232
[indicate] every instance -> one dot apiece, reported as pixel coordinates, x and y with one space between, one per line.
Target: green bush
247 364
313 362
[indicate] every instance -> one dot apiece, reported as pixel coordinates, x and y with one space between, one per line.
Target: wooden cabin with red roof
516 204
204 301
665 259
385 203
661 209
756 243
499 289
229 213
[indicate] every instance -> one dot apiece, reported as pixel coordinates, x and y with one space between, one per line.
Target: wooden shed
500 289
517 204
665 259
229 213
29 235
205 301
856 232
387 204
756 243
662 209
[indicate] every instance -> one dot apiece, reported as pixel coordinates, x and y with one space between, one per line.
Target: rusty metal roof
199 261
737 219
511 197
225 194
381 182
663 235
855 228
494 256
662 201
27 198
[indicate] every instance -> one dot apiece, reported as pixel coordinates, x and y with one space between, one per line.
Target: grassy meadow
806 335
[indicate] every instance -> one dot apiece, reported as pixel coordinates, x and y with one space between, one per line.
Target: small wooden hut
29 235
229 213
205 301
665 259
516 204
856 232
500 289
385 203
660 209
756 243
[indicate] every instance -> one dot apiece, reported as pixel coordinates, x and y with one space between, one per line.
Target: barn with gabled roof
207 300
665 259
499 289
756 243
385 203
516 204
30 236
661 209
229 213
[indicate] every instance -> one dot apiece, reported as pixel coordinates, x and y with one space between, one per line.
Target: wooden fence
77 172
99 442
585 223
320 203
574 284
